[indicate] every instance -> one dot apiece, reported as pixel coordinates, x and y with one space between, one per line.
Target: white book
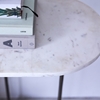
9 4
17 42
19 26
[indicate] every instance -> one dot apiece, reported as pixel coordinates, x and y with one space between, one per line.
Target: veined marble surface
67 39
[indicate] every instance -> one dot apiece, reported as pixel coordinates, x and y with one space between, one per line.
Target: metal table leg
61 79
7 88
60 87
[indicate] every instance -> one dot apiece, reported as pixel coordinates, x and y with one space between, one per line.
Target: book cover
18 26
8 7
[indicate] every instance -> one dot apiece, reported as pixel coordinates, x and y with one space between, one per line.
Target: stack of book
17 24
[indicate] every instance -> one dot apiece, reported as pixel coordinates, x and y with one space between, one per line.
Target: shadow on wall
2 88
20 88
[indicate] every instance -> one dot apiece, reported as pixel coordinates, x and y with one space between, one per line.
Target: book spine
17 42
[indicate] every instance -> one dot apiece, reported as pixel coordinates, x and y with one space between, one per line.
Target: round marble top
67 39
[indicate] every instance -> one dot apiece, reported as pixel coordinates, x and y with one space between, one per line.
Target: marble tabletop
67 36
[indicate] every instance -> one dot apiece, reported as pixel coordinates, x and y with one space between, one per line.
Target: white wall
84 83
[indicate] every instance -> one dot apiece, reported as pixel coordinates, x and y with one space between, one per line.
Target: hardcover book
17 26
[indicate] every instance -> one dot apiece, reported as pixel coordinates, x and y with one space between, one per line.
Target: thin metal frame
61 80
7 88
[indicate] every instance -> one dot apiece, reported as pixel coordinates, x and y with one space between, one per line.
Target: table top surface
67 39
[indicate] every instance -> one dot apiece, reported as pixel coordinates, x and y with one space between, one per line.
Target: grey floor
71 99
56 99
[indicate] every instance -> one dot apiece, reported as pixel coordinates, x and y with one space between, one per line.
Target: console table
67 39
